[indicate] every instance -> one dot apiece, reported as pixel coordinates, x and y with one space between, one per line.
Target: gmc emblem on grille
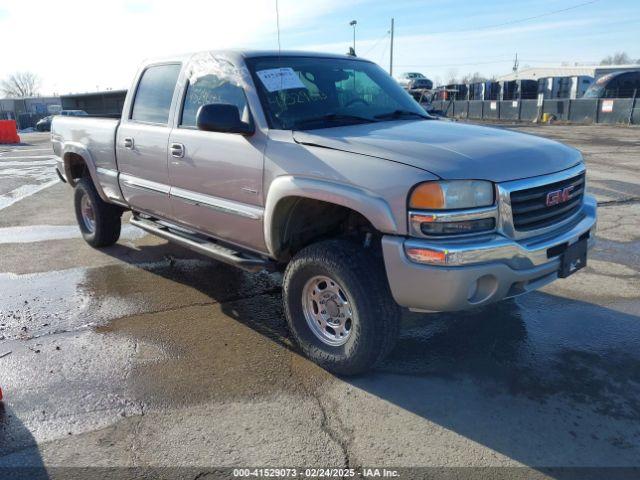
559 196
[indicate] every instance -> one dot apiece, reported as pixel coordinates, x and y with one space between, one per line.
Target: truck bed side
88 143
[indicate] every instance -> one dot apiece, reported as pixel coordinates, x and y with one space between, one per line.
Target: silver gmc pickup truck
323 167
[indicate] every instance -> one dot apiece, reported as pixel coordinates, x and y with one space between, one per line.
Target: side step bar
203 245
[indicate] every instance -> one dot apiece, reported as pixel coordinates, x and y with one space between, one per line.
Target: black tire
107 217
375 319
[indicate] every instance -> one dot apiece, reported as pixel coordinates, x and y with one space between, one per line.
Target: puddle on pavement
31 305
537 346
42 233
227 352
220 332
58 301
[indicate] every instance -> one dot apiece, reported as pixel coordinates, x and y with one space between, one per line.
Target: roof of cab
292 53
250 54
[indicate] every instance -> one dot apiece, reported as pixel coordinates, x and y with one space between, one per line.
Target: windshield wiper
400 114
335 117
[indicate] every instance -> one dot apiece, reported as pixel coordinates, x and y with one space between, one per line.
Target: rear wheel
98 220
339 307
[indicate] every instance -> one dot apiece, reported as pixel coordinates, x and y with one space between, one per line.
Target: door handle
128 143
177 150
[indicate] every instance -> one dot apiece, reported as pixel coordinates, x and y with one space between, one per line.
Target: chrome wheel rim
88 214
328 310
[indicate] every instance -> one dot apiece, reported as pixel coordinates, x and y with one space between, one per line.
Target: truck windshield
302 93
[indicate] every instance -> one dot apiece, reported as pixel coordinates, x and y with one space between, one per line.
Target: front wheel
98 220
339 307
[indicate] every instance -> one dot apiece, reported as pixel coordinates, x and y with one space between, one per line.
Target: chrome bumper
483 269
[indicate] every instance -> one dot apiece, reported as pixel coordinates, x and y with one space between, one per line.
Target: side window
155 91
212 89
629 83
611 90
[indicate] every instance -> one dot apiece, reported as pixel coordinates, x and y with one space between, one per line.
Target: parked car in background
419 87
322 167
44 124
616 85
73 113
406 77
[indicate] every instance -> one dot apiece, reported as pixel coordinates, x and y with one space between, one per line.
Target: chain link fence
604 110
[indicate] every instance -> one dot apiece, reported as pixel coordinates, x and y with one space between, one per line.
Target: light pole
353 23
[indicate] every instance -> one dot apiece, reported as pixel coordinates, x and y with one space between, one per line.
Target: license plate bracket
573 259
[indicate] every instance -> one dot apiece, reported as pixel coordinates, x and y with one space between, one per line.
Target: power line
485 27
375 44
453 64
384 52
520 20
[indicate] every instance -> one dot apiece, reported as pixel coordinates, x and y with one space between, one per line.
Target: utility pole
391 53
516 64
353 23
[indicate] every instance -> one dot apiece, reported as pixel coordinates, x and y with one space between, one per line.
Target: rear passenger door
141 143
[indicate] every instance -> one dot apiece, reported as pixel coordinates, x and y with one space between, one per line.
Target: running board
203 245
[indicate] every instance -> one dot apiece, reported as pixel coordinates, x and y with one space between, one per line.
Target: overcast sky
84 45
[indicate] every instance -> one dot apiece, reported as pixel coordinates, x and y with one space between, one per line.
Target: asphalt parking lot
146 354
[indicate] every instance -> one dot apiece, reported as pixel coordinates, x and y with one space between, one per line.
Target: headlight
453 207
451 195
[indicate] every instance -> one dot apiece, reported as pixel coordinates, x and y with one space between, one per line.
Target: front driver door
216 178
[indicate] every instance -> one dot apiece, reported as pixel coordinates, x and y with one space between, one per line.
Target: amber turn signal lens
427 195
426 255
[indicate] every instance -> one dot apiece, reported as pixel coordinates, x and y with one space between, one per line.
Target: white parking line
26 157
27 150
33 172
23 192
27 164
42 233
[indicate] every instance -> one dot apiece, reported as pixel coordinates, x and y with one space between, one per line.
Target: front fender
373 207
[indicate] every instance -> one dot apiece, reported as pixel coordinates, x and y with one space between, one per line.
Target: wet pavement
148 354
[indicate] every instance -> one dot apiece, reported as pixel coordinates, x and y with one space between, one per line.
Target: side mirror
222 117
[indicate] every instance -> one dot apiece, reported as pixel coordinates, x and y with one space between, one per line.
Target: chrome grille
530 210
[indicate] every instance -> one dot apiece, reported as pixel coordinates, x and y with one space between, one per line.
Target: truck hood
449 150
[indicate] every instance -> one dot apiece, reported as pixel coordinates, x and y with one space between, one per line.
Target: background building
107 103
595 71
27 111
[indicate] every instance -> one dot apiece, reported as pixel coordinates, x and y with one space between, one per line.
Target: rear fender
70 149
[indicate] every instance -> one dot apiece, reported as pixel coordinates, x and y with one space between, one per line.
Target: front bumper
481 270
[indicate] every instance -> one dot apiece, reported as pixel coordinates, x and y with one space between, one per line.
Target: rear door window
152 102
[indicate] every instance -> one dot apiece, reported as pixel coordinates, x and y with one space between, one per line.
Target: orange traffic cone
9 132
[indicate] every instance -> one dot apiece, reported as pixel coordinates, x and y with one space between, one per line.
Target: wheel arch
289 194
77 163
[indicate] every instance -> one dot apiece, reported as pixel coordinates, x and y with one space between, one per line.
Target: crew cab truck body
322 166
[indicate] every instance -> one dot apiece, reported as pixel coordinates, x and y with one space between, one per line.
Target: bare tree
618 58
475 77
451 76
20 84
